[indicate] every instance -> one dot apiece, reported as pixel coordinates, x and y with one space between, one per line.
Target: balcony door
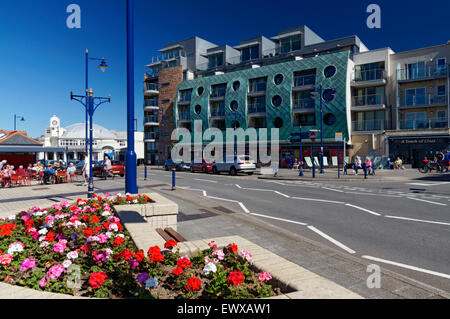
415 70
415 96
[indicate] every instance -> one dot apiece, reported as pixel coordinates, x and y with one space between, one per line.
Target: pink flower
49 219
207 260
60 246
6 259
219 254
247 255
102 238
55 271
43 282
28 264
264 276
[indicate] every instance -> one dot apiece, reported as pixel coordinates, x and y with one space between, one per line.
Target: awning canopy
30 149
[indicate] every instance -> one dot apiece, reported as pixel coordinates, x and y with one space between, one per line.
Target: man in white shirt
86 169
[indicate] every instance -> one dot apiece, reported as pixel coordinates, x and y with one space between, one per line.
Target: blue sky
41 60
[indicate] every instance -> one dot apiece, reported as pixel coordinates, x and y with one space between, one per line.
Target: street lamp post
21 118
102 66
235 114
130 156
163 120
91 103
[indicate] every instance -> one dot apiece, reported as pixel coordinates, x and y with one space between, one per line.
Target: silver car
244 163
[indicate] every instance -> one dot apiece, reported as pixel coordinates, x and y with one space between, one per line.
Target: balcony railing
218 112
422 73
424 124
369 75
152 102
184 116
423 100
151 136
256 108
185 98
257 87
373 125
151 119
217 93
151 86
304 80
371 99
299 104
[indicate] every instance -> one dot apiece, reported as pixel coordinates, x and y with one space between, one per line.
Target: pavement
335 229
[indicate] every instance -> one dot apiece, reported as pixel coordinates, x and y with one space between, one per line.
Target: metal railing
151 136
424 124
422 100
303 80
218 112
184 116
422 73
257 87
151 86
151 119
256 108
218 92
369 75
151 102
372 125
303 104
186 97
371 99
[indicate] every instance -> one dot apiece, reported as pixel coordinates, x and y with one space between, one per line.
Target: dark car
203 167
117 168
183 166
80 164
169 164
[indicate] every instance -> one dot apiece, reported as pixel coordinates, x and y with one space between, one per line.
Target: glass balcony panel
369 75
304 104
303 80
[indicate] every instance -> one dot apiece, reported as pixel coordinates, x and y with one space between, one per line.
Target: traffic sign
312 135
338 136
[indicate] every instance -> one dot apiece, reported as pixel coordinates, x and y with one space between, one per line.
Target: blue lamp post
18 117
130 156
91 103
235 115
102 66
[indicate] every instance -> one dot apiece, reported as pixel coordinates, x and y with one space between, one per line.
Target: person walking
86 169
108 167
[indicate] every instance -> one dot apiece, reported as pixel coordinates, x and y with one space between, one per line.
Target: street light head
91 92
103 66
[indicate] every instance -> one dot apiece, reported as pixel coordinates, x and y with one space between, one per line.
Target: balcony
370 77
432 123
151 89
303 105
424 73
257 89
256 109
218 113
424 100
150 136
184 117
304 82
218 94
184 99
368 126
151 120
151 105
368 102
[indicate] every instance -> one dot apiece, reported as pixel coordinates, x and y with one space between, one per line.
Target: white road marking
238 186
418 220
287 196
319 200
428 184
204 180
243 207
407 266
281 219
334 190
426 201
334 241
363 209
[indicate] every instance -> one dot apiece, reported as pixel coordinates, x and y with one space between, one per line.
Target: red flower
153 250
184 263
119 225
85 248
155 258
170 244
29 223
193 283
106 225
139 255
233 247
85 217
6 229
126 254
94 219
88 232
235 278
97 230
50 237
118 241
177 270
129 198
97 279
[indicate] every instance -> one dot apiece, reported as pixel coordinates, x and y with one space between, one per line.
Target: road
401 226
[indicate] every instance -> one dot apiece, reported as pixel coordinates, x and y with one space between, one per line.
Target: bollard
145 173
173 179
365 171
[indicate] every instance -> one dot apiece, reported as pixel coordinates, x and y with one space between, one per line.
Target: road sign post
301 154
338 139
312 136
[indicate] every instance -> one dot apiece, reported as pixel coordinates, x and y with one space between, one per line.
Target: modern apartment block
385 103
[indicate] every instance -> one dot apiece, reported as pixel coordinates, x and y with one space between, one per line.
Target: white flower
66 263
120 235
105 213
15 248
92 238
41 238
109 251
43 231
135 201
109 234
72 255
44 244
209 267
113 227
12 217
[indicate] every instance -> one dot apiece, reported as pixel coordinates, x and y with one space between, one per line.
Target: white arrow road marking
419 220
282 219
334 241
363 209
426 201
407 266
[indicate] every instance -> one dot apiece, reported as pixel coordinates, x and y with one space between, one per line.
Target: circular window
200 90
198 109
329 119
234 105
278 122
278 79
329 71
236 85
328 95
276 100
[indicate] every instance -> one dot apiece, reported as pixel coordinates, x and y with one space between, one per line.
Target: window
276 100
303 100
415 96
234 105
215 60
218 108
303 78
329 119
198 109
257 85
368 121
171 54
257 104
440 90
200 90
308 119
329 71
278 79
218 90
185 95
250 53
290 44
415 70
441 63
278 122
236 85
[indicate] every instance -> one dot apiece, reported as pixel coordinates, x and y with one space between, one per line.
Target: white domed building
105 141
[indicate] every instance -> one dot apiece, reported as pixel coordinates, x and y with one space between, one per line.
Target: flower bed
83 249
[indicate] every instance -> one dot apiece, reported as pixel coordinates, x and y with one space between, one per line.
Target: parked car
244 163
117 168
179 166
79 166
203 167
183 166
169 164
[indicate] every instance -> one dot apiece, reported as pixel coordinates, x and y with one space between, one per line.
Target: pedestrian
86 169
71 171
357 165
2 163
108 167
275 165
